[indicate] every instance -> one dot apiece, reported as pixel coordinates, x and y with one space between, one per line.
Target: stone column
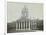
26 25
19 25
16 25
29 24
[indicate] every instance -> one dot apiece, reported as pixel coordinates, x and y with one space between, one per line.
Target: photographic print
24 17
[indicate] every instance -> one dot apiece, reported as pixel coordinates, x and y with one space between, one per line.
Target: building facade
24 23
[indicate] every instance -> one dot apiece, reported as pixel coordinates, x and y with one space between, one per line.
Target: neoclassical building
24 23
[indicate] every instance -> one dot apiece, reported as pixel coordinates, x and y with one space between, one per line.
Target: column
22 25
16 25
29 25
19 25
26 25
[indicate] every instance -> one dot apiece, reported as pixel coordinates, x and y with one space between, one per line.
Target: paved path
14 31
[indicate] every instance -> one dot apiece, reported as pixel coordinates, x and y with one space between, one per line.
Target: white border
27 1
24 2
3 17
44 16
26 33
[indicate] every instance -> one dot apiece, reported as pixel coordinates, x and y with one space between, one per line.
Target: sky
14 10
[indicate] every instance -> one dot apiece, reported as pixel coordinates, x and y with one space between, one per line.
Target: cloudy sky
14 10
